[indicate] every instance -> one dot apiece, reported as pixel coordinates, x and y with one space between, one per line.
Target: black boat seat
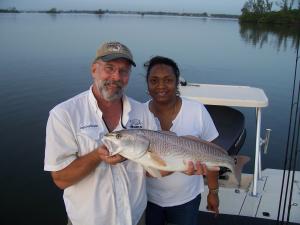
230 124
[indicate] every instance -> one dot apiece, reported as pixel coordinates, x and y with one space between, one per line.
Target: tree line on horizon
254 11
100 12
260 11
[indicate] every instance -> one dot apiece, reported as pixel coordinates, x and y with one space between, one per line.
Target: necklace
165 114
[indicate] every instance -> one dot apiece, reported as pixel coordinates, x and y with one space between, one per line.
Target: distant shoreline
102 12
283 17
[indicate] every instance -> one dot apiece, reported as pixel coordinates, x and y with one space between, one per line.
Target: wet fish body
159 150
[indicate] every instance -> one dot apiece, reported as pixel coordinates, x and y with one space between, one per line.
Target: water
45 59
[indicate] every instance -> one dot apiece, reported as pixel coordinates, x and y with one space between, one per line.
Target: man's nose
116 74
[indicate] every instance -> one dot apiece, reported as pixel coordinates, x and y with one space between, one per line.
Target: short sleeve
61 147
209 130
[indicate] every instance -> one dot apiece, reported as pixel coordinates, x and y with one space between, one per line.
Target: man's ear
93 69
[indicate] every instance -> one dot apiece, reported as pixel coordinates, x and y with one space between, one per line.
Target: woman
175 198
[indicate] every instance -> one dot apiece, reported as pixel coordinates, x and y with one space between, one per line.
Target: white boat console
229 95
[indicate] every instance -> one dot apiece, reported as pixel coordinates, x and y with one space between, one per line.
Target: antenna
291 148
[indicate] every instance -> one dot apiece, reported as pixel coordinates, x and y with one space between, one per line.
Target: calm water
45 59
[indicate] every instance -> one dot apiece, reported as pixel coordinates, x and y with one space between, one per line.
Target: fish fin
240 161
152 171
157 159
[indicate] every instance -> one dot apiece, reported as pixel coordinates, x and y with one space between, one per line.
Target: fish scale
183 146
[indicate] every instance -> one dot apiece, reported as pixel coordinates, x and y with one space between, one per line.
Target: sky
209 6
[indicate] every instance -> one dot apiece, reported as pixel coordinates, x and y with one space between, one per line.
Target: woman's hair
162 60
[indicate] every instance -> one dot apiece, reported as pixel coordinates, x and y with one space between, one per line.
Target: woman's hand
198 169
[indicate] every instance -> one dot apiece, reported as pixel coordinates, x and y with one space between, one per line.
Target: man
98 189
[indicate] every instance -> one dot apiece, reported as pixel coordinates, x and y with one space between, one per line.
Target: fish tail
240 161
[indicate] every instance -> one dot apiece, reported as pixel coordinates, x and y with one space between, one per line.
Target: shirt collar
126 109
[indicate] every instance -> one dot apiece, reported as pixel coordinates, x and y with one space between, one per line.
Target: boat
266 196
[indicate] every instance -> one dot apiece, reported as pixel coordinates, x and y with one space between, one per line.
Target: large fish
160 150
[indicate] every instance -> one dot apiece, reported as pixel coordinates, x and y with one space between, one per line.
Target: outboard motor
230 124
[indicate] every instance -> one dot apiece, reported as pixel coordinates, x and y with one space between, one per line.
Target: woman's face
162 83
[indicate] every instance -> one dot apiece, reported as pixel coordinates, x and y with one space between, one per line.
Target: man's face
111 77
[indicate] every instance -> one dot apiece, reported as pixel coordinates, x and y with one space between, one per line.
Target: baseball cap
114 50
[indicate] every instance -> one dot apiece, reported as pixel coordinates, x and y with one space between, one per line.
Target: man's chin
112 96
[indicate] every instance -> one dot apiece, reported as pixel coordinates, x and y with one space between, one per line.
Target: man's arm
82 166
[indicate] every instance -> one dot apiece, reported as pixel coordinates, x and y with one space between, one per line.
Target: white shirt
110 195
178 188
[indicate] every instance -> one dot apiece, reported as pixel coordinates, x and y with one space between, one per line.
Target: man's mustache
114 82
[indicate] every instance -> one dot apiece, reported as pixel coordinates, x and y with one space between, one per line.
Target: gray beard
101 85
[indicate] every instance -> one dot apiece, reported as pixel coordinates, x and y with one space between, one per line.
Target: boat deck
240 201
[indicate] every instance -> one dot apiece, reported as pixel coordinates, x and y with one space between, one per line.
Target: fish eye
118 135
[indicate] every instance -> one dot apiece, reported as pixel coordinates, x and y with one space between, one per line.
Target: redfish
160 150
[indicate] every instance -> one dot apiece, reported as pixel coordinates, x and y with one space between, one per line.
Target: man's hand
198 169
104 156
